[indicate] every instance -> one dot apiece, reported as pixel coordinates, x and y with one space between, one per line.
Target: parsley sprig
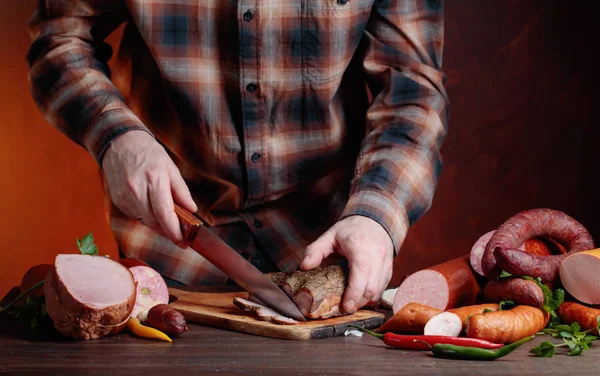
572 336
552 300
86 245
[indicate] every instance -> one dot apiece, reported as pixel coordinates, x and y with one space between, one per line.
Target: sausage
580 275
412 319
534 246
453 321
466 311
507 326
501 253
518 290
164 318
587 317
151 289
444 324
447 285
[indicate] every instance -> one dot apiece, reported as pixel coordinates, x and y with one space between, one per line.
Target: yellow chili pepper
140 330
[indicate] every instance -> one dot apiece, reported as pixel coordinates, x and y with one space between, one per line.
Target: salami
501 251
444 286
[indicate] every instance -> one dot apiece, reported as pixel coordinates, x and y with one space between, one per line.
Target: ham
317 293
89 296
263 312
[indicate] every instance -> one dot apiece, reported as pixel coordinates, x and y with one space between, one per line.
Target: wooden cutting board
216 308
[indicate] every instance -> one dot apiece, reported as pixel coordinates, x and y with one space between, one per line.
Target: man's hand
369 251
143 182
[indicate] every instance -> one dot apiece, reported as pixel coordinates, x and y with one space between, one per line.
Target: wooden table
205 350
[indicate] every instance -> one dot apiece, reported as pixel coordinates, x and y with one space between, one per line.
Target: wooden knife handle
189 223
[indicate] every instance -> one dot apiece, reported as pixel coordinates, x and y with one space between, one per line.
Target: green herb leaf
86 245
487 310
506 305
576 351
545 350
552 300
505 274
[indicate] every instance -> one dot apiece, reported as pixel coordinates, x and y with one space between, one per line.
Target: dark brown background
522 85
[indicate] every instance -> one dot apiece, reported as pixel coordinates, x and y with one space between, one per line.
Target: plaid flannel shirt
282 116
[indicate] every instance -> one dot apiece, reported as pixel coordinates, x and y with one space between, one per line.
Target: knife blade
240 270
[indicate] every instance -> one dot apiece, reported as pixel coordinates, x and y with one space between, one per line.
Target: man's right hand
143 182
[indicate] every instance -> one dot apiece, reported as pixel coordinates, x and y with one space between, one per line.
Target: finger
162 205
360 274
372 291
317 251
181 192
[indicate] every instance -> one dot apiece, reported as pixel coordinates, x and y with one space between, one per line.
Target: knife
240 270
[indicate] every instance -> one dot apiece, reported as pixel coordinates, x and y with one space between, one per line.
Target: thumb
319 250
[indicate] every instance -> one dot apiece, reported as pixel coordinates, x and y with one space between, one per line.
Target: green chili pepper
475 353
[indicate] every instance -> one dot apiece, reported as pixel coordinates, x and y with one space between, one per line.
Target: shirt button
257 223
251 88
342 2
248 16
255 157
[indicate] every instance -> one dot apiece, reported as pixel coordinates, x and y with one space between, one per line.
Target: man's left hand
370 252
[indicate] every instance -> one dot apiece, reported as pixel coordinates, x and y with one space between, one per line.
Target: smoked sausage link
518 290
507 326
587 317
501 251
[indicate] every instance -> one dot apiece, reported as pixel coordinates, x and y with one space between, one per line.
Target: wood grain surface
216 308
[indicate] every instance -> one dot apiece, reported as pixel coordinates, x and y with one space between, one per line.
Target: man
297 130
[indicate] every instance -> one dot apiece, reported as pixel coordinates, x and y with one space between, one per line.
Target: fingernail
349 305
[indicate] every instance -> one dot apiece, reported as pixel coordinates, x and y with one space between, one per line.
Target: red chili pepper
425 342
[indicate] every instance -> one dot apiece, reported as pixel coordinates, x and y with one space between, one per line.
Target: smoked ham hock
89 296
317 293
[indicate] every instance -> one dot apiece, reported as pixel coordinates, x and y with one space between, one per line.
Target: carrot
410 319
507 326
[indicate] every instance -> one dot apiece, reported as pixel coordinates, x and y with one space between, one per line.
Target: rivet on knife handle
189 223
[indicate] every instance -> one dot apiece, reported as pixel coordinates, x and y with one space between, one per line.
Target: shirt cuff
109 125
384 210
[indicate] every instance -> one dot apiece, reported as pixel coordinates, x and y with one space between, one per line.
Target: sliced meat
444 324
264 313
453 321
411 319
151 289
580 275
517 289
501 251
317 293
89 296
387 298
444 286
